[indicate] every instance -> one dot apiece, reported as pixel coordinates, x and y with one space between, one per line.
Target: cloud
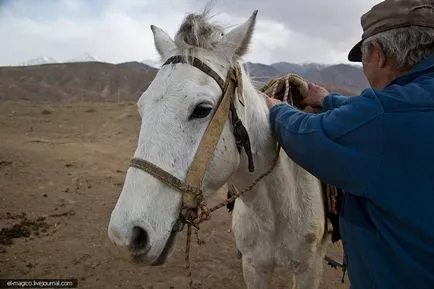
73 5
114 35
118 30
335 20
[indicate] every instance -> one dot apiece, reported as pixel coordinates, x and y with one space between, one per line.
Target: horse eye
201 110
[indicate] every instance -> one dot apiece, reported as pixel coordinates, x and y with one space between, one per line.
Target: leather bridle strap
209 141
164 176
199 65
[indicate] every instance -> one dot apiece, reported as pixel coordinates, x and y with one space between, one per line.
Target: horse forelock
197 31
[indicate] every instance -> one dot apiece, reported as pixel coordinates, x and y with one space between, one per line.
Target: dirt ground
61 170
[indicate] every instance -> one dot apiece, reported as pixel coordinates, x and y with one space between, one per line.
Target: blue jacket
379 147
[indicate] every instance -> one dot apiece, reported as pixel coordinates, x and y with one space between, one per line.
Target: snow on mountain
39 60
313 65
152 63
83 58
48 59
86 57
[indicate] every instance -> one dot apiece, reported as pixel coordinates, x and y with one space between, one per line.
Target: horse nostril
139 239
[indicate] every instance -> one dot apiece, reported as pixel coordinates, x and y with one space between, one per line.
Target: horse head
176 111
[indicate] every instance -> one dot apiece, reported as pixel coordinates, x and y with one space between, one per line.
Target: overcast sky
118 30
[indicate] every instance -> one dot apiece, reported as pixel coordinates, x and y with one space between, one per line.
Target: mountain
152 63
136 65
261 72
343 75
286 67
49 60
84 58
301 69
89 81
39 60
348 77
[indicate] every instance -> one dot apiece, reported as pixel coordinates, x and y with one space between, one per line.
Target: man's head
397 34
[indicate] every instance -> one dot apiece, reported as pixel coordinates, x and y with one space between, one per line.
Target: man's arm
333 100
318 96
341 146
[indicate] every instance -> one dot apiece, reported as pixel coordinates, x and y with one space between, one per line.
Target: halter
191 188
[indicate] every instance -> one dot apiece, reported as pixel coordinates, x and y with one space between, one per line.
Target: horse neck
279 188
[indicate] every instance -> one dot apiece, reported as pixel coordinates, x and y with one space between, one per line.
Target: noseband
191 188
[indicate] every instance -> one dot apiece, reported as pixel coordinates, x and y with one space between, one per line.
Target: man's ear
378 53
237 41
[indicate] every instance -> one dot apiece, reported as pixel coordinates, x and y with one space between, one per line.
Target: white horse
280 222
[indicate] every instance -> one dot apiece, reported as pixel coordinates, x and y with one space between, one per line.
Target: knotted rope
290 88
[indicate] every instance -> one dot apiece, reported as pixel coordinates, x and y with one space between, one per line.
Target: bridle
191 188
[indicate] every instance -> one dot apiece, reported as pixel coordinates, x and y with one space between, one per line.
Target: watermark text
38 283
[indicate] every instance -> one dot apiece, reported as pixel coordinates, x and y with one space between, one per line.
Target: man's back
389 231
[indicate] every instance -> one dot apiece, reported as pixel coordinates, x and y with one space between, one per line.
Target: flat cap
391 14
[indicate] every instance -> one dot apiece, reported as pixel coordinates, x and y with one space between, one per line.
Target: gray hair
408 45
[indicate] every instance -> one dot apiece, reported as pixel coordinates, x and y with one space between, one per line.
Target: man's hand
311 103
315 96
272 102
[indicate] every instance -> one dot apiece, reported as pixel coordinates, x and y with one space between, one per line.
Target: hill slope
90 81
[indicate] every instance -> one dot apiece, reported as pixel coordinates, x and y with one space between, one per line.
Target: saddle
291 88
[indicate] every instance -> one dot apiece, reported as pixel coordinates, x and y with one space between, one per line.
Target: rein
191 188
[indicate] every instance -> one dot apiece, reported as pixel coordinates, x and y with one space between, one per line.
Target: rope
272 89
188 272
206 216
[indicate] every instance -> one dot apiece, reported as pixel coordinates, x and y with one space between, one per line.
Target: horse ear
238 39
163 43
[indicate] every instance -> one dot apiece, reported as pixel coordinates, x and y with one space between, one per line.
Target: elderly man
378 147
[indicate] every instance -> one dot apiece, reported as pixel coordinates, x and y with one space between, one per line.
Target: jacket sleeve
334 100
341 146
